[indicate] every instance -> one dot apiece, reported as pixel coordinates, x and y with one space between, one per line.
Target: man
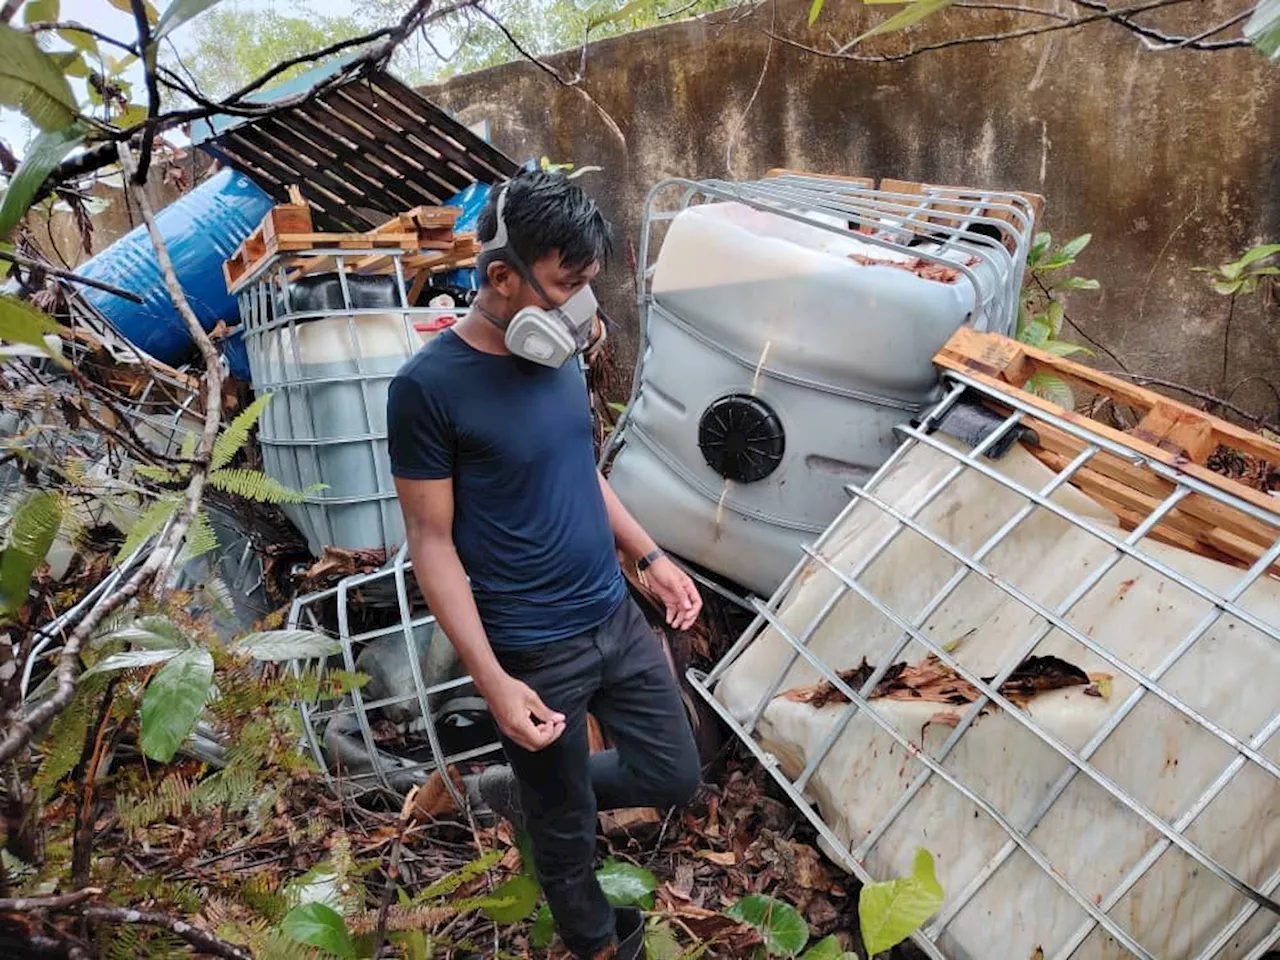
491 448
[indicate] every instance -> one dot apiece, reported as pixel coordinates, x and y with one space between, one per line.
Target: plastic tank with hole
775 369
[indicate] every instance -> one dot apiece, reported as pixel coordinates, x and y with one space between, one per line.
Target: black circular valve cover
741 438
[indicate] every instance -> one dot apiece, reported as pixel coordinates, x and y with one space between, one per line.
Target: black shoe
630 926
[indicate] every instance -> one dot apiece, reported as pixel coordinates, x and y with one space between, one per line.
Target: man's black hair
543 212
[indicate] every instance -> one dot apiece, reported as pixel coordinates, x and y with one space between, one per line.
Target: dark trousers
619 673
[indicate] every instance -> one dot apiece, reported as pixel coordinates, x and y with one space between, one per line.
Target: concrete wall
1171 160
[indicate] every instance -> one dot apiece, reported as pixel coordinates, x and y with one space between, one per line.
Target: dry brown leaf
725 858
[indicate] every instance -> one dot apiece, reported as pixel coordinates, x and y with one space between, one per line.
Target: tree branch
1165 41
1108 14
68 275
44 26
147 54
205 942
63 901
1204 395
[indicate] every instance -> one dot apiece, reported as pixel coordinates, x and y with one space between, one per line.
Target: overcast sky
100 15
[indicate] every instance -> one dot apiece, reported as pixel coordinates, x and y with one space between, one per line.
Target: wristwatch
645 562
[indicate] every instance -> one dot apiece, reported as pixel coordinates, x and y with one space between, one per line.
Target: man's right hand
521 715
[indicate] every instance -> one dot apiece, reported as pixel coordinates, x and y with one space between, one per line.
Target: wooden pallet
1165 431
942 213
425 236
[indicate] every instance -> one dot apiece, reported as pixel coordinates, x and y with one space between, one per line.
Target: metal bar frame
903 517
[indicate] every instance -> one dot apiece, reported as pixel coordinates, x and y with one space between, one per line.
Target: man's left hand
673 587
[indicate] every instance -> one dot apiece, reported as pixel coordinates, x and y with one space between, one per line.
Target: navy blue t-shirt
530 524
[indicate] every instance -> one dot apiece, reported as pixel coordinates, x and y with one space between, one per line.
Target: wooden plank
1177 430
977 354
968 347
286 218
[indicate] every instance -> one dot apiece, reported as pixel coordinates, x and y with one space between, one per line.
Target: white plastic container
326 424
1161 759
811 346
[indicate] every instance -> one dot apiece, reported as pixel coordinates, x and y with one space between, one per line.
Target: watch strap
649 559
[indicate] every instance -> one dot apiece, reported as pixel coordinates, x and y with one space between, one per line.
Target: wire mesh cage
1071 704
326 341
749 410
418 713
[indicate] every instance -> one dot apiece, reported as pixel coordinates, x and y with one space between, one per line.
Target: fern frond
236 435
65 741
201 539
157 474
216 595
451 882
149 524
254 485
404 918
189 441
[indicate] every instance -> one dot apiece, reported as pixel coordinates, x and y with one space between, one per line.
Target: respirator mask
548 336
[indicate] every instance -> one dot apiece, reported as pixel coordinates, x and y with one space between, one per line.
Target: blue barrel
202 229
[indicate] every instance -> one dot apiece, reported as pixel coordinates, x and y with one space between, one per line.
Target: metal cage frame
1171 834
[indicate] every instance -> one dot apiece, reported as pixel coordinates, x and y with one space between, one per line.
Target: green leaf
153 632
626 10
1036 333
32 530
41 11
72 64
149 524
254 485
660 943
1073 248
44 154
115 66
1255 254
1039 246
317 925
130 660
784 931
891 911
279 645
22 323
544 929
130 116
512 901
1061 348
828 948
1055 315
912 13
173 701
236 435
1079 283
1054 389
30 81
1262 29
178 13
815 11
84 42
626 885
1228 288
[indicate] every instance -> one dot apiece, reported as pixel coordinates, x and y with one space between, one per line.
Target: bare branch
44 26
147 54
764 70
1164 41
204 942
1106 14
1206 396
68 275
63 901
1013 8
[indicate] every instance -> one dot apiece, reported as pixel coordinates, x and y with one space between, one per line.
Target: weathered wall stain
1171 160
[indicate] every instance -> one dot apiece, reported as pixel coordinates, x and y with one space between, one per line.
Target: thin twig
205 942
44 26
843 54
1167 41
63 901
148 56
1207 397
1013 8
68 275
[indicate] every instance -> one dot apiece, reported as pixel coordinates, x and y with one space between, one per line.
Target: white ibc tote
1133 811
329 363
779 349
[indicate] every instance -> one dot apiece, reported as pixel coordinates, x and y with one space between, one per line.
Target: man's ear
501 277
